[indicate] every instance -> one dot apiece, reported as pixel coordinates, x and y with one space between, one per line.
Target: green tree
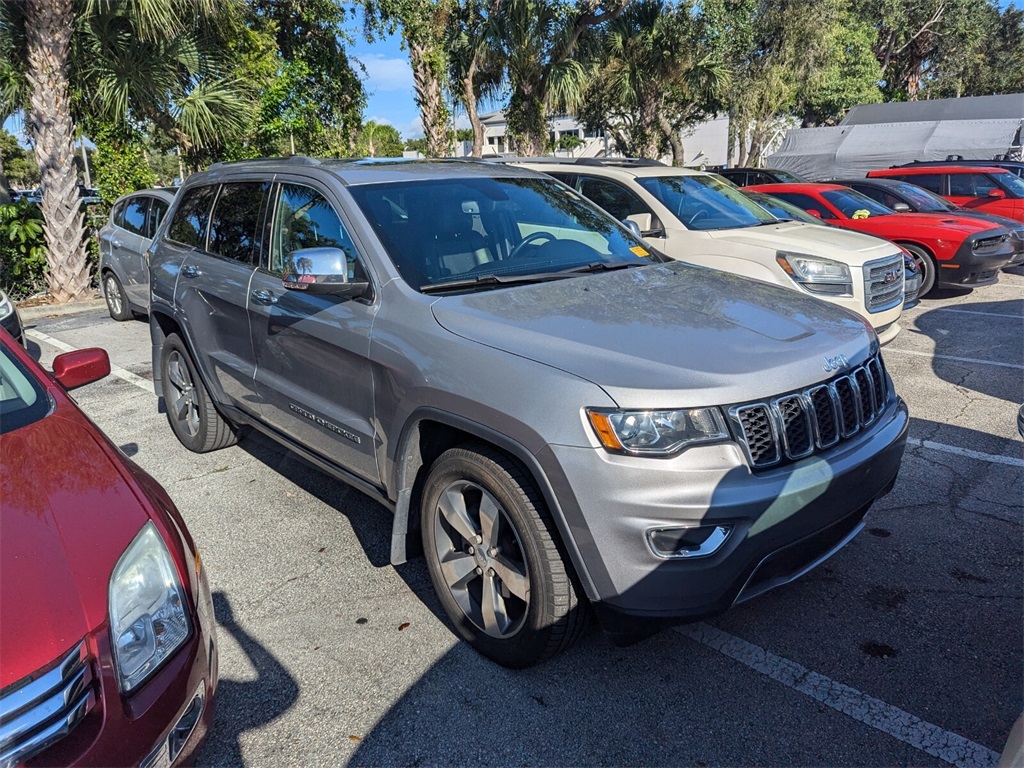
542 48
475 73
379 140
656 75
16 163
423 24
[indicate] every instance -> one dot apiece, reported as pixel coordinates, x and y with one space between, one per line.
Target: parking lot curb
60 310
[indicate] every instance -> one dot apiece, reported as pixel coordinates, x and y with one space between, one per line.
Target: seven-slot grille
44 708
983 244
883 283
792 426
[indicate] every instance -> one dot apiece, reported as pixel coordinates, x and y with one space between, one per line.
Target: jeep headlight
6 306
816 274
656 433
148 620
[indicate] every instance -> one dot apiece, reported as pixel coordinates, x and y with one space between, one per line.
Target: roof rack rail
291 159
624 162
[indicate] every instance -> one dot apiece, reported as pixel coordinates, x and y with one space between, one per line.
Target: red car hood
66 517
901 222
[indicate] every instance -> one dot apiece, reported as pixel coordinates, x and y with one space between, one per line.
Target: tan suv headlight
817 275
656 433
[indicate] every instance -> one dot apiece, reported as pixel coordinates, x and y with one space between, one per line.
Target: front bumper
782 521
970 267
140 729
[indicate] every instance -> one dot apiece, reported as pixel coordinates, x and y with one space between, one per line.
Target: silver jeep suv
566 420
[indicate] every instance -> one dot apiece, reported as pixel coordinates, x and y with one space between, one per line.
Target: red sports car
106 622
950 250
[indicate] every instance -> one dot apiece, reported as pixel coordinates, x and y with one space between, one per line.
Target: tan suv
697 217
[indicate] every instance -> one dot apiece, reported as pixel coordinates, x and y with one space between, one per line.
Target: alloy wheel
113 293
183 405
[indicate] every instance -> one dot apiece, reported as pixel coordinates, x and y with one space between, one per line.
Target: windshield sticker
640 251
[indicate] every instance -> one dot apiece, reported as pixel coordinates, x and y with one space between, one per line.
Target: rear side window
157 210
191 217
930 181
614 198
237 221
117 215
134 217
970 185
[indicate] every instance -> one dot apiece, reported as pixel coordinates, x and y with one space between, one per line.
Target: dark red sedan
106 622
950 250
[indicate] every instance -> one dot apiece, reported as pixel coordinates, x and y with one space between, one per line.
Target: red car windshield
22 399
854 205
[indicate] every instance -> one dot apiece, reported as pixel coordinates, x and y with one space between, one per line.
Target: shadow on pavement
248 705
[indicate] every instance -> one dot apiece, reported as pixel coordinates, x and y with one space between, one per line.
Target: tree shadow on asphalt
245 705
968 334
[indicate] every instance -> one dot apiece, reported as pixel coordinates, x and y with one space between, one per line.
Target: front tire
925 265
190 411
495 561
117 300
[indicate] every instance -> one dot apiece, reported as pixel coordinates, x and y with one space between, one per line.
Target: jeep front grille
45 707
795 425
883 283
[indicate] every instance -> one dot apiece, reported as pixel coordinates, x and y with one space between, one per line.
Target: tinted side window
614 198
806 202
117 215
134 215
237 221
189 224
304 219
878 195
970 185
157 210
930 181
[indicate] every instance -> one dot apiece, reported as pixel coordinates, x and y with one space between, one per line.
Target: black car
747 177
902 196
1015 167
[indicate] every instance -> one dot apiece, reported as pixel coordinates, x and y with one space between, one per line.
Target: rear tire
925 265
117 301
495 560
190 411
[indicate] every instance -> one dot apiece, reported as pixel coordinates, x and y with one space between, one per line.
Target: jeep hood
665 335
853 248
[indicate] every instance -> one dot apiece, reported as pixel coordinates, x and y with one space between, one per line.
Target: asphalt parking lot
905 648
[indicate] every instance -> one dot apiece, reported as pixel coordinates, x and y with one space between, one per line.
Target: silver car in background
124 241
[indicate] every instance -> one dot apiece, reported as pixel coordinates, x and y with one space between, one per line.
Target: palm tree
655 78
127 62
473 71
539 42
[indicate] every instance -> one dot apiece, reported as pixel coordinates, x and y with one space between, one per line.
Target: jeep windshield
480 233
705 202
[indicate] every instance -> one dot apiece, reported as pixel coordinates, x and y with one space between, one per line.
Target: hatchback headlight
656 433
816 274
6 306
148 620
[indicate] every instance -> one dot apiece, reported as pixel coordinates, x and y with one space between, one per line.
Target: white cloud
385 73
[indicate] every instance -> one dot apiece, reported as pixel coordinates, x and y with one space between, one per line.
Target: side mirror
83 366
996 194
645 224
632 226
901 207
814 213
320 270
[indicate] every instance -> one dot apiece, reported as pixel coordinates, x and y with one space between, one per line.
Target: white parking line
975 312
115 370
910 729
1017 366
991 457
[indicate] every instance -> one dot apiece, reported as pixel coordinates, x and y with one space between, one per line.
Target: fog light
688 542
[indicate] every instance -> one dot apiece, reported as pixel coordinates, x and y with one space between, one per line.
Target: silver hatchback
124 241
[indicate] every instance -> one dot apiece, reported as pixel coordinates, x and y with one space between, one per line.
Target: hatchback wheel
117 302
190 411
495 561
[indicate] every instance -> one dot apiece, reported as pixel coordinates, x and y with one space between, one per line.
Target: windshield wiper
599 266
488 281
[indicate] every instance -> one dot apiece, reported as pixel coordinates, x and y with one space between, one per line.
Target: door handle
264 297
116 243
191 271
